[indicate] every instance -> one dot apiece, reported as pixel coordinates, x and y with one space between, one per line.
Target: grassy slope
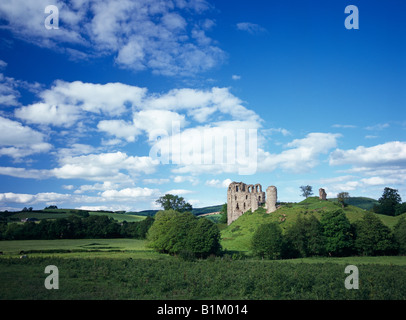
237 236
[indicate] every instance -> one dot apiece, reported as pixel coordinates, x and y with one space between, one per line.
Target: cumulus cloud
8 93
157 122
119 129
44 197
116 166
66 102
143 34
302 155
25 173
179 192
390 153
223 147
130 194
18 141
218 184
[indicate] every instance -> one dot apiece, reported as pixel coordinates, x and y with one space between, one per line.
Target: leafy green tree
173 232
305 237
338 233
388 202
223 213
204 238
372 236
399 232
170 201
307 191
157 233
342 197
400 209
267 241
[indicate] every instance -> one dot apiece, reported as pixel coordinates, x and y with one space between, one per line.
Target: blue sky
85 107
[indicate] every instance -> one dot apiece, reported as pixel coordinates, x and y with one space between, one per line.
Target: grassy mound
237 236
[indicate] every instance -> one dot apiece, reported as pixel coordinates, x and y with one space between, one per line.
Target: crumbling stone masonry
322 194
242 197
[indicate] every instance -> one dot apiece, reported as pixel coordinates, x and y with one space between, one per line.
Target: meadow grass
120 217
215 279
79 248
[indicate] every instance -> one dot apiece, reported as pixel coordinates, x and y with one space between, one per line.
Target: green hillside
237 236
361 202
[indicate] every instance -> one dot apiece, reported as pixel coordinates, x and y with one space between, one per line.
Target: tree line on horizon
75 227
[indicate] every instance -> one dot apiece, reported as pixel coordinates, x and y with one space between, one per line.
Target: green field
129 269
79 248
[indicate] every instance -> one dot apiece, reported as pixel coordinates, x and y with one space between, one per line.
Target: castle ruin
242 197
322 194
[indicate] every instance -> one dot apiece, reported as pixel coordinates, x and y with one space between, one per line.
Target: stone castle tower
242 197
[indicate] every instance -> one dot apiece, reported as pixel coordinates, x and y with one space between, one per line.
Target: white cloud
200 104
271 131
45 197
218 184
106 185
66 102
120 129
235 77
191 179
141 34
251 28
130 194
157 122
8 94
156 181
179 192
25 173
104 167
18 141
344 126
302 155
228 147
390 153
43 113
378 127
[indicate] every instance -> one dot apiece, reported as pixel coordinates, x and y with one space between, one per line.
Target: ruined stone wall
322 194
241 198
271 198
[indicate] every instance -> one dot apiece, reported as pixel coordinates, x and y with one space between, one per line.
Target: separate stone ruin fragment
271 198
242 197
322 194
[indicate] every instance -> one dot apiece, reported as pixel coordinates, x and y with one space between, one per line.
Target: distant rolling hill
195 211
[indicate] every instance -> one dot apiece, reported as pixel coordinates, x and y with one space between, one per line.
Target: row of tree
75 227
333 235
